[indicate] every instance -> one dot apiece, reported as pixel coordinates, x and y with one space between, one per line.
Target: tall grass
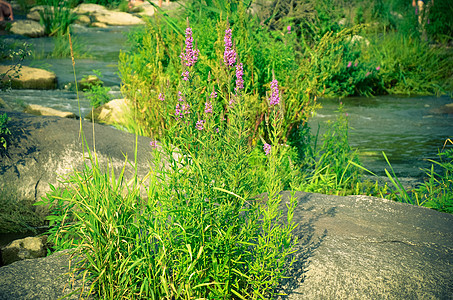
200 231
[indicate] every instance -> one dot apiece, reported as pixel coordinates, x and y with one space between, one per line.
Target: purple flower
185 75
239 80
289 28
267 148
349 64
153 144
229 56
181 98
208 107
217 130
200 124
213 94
378 68
356 64
275 97
161 97
190 56
177 111
185 109
367 74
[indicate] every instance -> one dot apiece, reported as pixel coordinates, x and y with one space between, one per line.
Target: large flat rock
29 78
42 278
42 149
360 247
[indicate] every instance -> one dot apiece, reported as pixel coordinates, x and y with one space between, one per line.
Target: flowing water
410 130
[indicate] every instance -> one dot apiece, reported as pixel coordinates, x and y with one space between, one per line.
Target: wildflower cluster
190 56
275 97
229 56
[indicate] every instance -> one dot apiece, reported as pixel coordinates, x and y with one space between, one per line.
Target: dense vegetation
225 97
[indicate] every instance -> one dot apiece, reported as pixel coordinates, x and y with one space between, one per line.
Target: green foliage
410 66
4 131
108 3
440 26
56 17
17 215
331 168
153 66
96 92
15 52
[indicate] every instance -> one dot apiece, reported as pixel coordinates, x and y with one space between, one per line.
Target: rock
39 110
34 13
30 78
28 28
27 248
113 112
88 8
99 25
116 18
43 149
43 278
83 19
446 109
88 81
360 247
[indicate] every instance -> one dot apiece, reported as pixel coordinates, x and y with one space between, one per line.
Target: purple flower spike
190 56
239 80
185 75
349 64
367 74
200 124
181 98
356 64
289 28
275 97
229 56
153 144
161 97
378 68
208 107
267 148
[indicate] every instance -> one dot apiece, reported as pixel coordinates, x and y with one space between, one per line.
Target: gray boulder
28 28
43 149
361 247
43 278
27 248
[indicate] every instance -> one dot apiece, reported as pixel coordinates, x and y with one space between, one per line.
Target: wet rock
113 112
43 278
29 78
446 109
27 248
39 110
99 25
28 28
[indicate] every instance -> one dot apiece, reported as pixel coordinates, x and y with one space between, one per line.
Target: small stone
27 248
